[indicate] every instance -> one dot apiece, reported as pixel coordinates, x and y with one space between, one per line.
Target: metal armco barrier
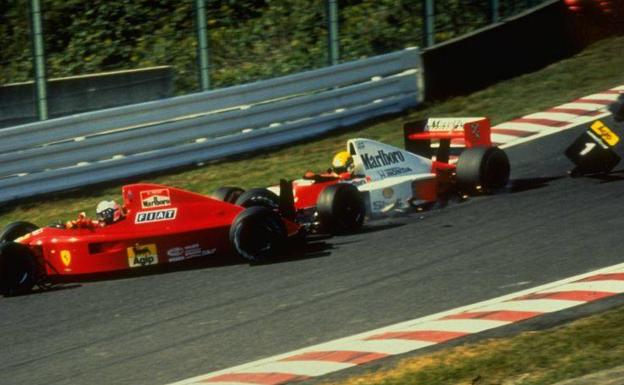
122 142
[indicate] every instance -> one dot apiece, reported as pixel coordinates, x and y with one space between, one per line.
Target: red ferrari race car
155 225
370 179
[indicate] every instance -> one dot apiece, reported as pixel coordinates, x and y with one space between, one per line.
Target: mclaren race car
383 178
155 225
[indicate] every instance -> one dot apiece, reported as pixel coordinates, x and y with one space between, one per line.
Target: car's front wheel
341 208
258 234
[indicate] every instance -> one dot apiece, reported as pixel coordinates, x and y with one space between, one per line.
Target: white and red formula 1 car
384 177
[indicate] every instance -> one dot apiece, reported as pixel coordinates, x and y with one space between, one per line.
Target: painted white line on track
583 106
601 96
534 305
501 138
373 346
607 286
300 368
458 325
561 116
228 383
525 126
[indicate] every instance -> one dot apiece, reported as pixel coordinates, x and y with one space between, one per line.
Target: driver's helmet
343 162
108 212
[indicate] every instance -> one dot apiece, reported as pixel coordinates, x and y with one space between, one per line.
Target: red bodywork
162 225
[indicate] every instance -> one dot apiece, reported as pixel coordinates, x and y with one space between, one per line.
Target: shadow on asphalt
528 184
613 176
316 247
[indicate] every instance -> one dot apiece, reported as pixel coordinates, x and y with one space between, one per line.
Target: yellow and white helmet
343 162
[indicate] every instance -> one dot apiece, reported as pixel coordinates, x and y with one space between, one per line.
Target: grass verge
530 358
596 69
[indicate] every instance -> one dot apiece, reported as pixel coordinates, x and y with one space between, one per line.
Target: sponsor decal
474 127
66 257
155 198
445 124
155 216
382 159
608 137
175 252
361 145
378 205
187 252
142 255
387 193
393 171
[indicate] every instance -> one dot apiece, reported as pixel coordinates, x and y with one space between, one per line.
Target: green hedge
249 39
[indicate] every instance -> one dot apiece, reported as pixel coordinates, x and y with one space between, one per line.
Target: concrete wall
76 94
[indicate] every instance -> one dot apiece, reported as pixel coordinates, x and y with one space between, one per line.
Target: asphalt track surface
160 328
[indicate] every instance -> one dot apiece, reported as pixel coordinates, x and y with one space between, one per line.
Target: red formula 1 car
384 178
159 225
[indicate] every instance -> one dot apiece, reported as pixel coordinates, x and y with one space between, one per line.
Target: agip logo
142 255
155 198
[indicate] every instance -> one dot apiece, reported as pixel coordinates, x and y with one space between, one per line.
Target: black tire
15 230
228 194
258 234
485 168
18 269
341 208
259 197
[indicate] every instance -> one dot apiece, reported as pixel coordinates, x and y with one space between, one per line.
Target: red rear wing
474 132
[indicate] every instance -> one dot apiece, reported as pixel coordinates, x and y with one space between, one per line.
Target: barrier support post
202 46
332 36
39 62
428 22
494 11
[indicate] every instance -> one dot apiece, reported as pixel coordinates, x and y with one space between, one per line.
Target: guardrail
128 141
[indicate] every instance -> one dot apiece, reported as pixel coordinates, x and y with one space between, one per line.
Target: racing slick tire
482 168
228 194
258 234
18 269
259 197
341 208
15 230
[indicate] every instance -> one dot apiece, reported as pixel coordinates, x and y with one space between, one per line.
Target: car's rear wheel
15 230
258 234
18 269
482 168
227 194
341 208
259 197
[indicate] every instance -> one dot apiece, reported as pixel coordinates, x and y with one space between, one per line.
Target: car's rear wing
474 132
